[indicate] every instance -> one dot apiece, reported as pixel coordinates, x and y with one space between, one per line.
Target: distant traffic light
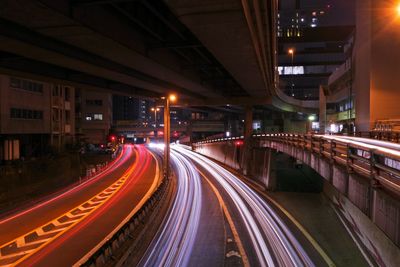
238 143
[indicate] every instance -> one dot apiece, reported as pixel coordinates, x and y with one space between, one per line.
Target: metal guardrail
109 249
380 164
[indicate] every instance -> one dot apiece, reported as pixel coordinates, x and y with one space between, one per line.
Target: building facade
93 115
127 108
311 42
35 116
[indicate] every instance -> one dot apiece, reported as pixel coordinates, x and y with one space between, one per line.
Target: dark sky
341 12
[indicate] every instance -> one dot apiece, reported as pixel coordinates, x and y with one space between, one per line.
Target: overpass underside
209 52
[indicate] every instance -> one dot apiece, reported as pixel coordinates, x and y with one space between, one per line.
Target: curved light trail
384 146
174 242
273 242
44 235
115 164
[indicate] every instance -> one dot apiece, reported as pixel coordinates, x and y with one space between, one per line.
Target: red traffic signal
238 143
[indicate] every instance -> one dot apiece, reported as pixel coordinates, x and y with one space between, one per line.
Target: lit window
98 117
295 70
88 118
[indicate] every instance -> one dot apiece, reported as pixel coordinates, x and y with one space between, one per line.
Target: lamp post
155 120
310 118
167 132
291 53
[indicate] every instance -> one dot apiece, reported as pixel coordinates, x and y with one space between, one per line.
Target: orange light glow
398 9
172 98
291 51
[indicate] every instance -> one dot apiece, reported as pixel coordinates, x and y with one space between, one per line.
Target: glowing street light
155 115
398 9
172 97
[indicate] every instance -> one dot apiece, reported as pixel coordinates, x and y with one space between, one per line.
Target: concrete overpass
146 50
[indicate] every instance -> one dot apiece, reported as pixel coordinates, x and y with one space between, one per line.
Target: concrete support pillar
377 57
248 129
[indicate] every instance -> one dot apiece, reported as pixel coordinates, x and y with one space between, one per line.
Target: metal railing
378 162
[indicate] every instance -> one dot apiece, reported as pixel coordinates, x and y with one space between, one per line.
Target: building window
98 117
26 85
94 117
67 94
56 91
94 102
67 116
19 113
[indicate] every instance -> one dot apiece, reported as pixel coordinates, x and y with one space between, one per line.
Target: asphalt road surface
217 220
61 230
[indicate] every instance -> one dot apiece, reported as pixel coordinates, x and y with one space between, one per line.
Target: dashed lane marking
19 249
236 237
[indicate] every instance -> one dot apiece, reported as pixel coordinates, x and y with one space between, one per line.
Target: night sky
341 12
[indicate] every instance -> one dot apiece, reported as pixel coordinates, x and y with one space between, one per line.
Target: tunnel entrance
295 176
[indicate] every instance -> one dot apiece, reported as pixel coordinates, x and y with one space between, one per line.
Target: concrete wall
231 154
227 153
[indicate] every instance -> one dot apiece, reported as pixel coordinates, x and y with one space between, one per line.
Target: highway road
61 230
217 220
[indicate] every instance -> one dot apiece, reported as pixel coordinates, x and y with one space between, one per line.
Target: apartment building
93 115
35 116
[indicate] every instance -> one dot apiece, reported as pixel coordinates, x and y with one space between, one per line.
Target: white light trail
386 147
273 242
174 242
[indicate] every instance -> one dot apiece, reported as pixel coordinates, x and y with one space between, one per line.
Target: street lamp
311 119
155 115
167 131
291 53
